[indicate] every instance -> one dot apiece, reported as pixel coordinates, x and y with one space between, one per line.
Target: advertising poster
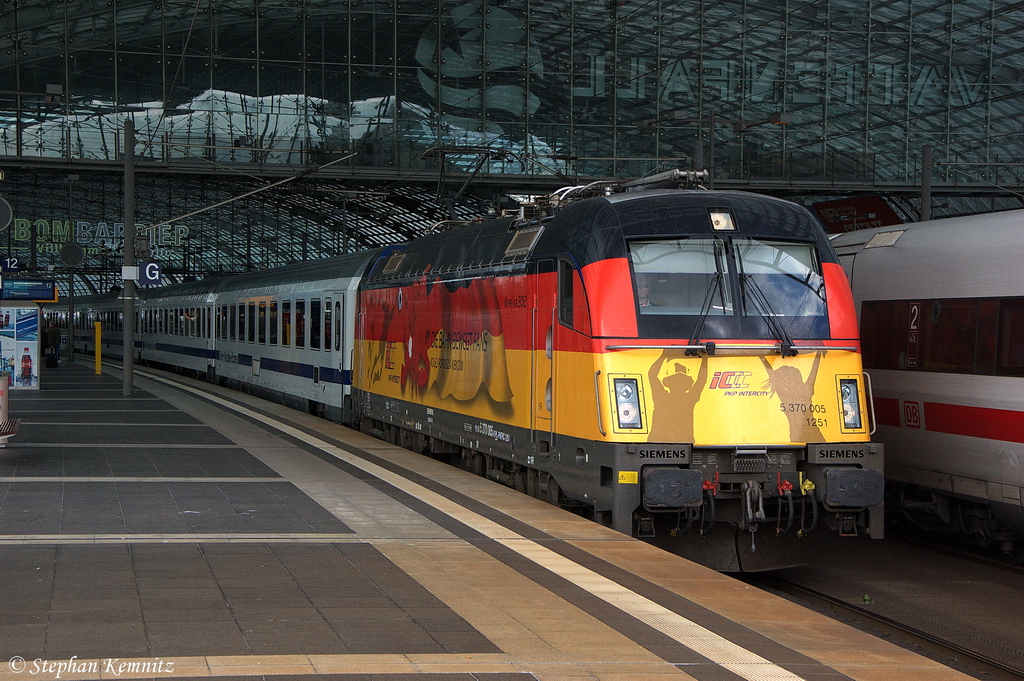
19 346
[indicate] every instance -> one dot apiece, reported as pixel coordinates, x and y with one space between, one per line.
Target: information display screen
29 289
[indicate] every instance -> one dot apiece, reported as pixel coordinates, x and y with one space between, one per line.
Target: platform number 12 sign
10 265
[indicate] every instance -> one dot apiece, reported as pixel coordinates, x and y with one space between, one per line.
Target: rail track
958 654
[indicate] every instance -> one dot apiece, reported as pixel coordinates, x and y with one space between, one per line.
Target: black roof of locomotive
597 229
580 228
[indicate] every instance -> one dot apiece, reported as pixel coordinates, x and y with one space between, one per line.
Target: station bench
7 429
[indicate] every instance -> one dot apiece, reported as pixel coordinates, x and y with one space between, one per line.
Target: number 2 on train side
913 335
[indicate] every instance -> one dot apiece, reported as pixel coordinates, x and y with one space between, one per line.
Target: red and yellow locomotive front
683 363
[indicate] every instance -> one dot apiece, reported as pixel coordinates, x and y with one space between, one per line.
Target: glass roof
382 118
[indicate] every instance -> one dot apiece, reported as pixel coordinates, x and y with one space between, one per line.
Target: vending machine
19 345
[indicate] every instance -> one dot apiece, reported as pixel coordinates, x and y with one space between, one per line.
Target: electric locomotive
941 307
682 364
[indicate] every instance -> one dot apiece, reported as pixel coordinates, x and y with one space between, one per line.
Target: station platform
190 531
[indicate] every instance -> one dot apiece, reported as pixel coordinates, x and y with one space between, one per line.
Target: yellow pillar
98 337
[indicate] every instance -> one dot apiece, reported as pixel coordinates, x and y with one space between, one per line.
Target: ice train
941 307
683 365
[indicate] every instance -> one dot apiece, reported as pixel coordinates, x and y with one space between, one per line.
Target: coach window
273 322
232 322
1010 346
315 322
327 324
241 323
300 323
337 325
286 322
252 322
262 333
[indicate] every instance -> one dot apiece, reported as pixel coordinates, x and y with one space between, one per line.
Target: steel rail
906 633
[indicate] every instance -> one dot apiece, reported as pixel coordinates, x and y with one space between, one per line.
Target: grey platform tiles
131 529
139 600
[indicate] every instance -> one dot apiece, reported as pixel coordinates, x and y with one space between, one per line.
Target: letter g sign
150 274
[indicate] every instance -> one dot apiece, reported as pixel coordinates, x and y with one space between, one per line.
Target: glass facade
766 93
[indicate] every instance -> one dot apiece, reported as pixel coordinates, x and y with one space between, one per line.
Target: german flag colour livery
683 365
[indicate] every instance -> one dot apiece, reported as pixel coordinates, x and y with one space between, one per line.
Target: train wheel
1016 556
554 492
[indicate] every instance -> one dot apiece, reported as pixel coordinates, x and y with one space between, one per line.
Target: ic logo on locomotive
730 380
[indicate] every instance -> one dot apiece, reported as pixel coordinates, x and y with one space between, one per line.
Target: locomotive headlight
627 403
850 399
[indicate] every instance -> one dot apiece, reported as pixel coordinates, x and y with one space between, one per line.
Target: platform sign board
150 274
19 345
38 290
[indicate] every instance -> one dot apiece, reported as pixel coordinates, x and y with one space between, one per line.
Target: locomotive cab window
728 287
573 310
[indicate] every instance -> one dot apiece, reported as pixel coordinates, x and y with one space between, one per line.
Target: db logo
730 380
911 415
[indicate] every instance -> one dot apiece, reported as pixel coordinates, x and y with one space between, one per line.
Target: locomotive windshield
689 284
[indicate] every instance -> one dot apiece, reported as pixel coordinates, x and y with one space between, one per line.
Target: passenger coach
941 307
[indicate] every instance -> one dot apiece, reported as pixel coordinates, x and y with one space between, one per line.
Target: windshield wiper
705 310
764 308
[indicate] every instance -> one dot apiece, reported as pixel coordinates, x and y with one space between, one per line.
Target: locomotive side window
565 292
573 310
